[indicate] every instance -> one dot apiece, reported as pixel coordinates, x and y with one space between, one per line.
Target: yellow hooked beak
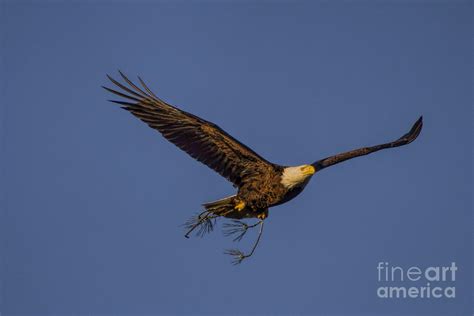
308 170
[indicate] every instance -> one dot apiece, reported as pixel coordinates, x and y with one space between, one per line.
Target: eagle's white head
293 176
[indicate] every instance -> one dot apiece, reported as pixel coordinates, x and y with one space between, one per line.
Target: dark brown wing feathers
201 139
404 140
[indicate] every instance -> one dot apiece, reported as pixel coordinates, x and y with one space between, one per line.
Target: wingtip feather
415 130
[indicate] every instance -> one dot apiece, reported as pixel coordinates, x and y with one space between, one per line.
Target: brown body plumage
261 184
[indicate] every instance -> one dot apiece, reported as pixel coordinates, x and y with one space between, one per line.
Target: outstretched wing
201 139
404 140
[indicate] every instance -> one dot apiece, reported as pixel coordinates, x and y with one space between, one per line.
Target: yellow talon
240 206
262 216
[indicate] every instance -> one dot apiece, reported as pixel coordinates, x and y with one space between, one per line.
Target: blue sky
92 199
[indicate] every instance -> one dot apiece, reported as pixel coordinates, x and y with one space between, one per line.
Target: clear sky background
92 199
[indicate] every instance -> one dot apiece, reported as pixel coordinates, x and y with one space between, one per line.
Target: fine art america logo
416 282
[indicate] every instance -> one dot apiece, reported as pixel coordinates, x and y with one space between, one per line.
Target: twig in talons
238 255
205 221
238 228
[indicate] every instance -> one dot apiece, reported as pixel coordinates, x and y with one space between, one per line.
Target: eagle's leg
238 255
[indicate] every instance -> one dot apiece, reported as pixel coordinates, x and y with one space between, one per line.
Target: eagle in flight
260 184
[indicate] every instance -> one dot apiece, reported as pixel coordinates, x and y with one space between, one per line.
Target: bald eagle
260 184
